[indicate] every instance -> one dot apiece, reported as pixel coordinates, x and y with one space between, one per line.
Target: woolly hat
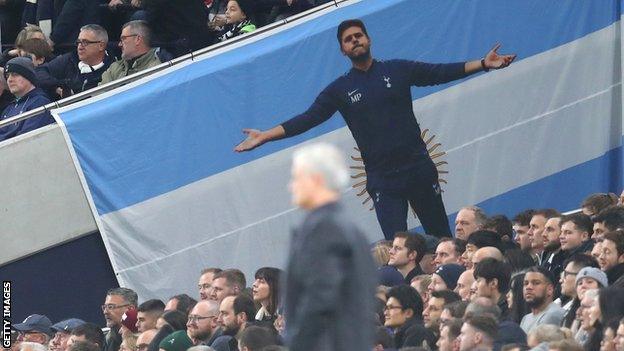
247 6
177 341
129 320
389 276
594 273
22 66
450 273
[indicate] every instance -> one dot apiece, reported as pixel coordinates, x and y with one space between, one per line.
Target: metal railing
191 56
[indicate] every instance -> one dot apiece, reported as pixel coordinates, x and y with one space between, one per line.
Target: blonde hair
381 252
27 33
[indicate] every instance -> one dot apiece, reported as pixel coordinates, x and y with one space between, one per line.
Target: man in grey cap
21 80
35 328
63 330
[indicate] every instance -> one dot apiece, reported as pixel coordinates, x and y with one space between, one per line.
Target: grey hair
547 333
99 31
477 308
141 28
480 216
200 348
326 160
32 346
128 294
3 82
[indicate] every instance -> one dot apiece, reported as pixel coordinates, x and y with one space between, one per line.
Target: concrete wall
42 203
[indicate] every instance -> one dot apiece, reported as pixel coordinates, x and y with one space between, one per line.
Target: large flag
171 197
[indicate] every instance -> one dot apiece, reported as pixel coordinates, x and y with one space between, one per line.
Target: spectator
78 70
63 330
265 291
544 334
148 313
38 50
36 328
536 229
515 298
434 306
452 310
405 254
611 258
30 31
469 219
573 266
588 319
519 260
178 26
508 331
87 332
501 225
229 282
449 335
177 341
83 346
204 284
565 345
129 343
20 75
256 338
595 203
427 266
404 315
269 11
449 251
609 306
235 314
550 237
6 98
74 14
619 335
478 333
118 301
10 15
445 277
539 289
477 240
202 326
137 53
521 223
493 278
169 322
575 232
464 283
421 284
381 252
611 218
238 16
487 252
609 336
182 303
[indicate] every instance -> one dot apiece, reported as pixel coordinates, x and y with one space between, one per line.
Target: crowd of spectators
75 45
540 281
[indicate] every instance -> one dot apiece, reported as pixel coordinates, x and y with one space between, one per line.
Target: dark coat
509 333
74 15
330 284
414 333
614 274
63 72
555 266
35 98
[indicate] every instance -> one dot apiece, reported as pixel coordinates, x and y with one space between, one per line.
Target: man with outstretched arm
375 101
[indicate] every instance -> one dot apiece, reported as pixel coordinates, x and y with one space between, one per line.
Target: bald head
145 338
487 252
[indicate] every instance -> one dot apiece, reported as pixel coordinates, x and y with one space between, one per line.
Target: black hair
581 260
176 319
456 308
91 332
383 338
255 338
271 276
413 242
545 272
185 303
344 25
582 222
408 297
612 217
483 238
448 296
83 346
485 324
490 268
518 308
153 305
518 260
501 225
244 304
524 218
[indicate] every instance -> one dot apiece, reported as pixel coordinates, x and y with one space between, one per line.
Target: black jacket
555 266
330 284
74 15
413 333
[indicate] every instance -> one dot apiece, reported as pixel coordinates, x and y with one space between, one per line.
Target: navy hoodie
35 98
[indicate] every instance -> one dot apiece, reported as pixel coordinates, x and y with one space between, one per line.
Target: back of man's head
327 161
254 338
483 238
612 217
183 303
91 333
83 346
244 304
486 325
482 307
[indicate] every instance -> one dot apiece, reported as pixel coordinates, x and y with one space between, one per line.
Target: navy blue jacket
35 98
63 72
377 107
74 15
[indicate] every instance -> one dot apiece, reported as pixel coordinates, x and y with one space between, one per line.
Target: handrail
141 74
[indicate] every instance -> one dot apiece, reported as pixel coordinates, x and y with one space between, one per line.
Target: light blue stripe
181 127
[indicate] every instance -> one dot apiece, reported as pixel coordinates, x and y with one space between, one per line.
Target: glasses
112 306
193 318
86 42
124 37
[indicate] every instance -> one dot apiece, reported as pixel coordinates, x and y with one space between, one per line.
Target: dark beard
360 58
537 301
230 331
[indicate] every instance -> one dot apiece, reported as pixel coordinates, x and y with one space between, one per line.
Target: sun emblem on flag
360 172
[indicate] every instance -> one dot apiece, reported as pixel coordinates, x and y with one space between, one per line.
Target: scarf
234 30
